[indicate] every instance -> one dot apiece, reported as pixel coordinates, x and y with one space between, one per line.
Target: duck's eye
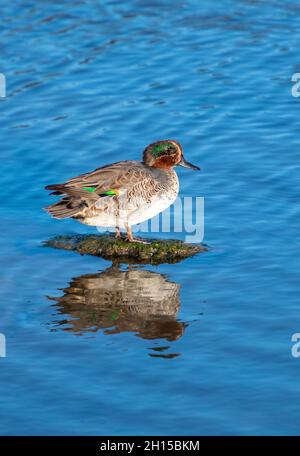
162 149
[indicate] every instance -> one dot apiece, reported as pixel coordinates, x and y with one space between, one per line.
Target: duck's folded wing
105 181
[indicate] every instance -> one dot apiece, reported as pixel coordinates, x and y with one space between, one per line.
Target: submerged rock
108 247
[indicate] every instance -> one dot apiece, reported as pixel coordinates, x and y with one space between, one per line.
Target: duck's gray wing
116 176
80 193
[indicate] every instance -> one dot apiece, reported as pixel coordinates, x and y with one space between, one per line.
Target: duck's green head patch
163 148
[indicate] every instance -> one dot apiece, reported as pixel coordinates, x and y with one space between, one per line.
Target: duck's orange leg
129 233
118 234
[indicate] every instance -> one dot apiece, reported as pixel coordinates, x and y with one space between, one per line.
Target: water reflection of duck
116 301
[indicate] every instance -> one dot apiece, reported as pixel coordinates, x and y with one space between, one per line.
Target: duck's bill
186 164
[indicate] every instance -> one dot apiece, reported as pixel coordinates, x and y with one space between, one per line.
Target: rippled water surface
198 347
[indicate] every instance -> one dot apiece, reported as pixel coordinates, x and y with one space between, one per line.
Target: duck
123 193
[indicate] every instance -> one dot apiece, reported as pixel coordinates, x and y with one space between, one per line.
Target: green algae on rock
108 247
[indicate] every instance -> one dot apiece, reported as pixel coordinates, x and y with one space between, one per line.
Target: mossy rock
108 247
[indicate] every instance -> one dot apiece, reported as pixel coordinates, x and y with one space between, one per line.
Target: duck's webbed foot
130 236
141 241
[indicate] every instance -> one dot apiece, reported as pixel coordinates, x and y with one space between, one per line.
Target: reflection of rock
133 300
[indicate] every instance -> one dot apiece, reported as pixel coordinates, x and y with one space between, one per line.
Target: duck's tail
67 207
64 209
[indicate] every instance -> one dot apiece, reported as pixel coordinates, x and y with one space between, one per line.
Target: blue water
89 83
